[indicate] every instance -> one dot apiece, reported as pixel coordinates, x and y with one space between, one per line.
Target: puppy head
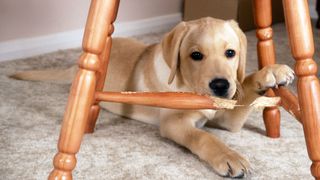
209 55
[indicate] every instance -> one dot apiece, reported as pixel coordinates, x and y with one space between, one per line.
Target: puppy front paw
230 164
273 76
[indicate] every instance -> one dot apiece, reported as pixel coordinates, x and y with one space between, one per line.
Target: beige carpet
31 113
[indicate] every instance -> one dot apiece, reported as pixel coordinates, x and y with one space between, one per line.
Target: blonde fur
167 66
53 75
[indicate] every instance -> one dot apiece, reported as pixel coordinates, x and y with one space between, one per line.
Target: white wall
32 27
31 18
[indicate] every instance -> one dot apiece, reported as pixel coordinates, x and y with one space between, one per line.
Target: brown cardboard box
239 10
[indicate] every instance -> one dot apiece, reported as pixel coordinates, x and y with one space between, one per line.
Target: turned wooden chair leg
82 95
266 56
302 47
104 58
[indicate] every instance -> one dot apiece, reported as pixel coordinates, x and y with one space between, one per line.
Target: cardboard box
239 10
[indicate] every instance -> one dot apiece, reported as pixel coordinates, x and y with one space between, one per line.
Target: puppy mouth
226 96
208 92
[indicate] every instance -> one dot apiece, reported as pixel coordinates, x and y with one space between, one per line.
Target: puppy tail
64 76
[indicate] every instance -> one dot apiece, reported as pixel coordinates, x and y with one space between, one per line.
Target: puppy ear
241 71
171 46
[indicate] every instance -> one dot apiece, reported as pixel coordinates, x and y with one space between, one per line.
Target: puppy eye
230 53
197 56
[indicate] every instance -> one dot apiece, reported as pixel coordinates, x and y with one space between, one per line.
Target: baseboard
22 48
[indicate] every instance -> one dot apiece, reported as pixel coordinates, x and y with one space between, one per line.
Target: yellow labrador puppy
206 56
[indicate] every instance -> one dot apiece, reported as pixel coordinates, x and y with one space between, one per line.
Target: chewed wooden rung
177 100
172 100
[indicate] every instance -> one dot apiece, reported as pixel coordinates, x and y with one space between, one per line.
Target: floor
31 113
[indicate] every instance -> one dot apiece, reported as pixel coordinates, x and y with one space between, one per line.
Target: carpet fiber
31 113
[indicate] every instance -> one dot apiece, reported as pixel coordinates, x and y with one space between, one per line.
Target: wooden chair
86 92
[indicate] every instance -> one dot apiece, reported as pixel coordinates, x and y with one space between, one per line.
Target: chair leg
92 119
302 48
266 56
83 90
80 99
104 57
95 108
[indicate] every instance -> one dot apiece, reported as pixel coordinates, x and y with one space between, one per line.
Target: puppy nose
219 87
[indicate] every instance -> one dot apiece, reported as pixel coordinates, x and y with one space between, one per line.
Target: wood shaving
263 101
128 92
223 103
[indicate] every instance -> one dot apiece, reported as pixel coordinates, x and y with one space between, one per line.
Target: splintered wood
258 103
179 100
264 101
223 103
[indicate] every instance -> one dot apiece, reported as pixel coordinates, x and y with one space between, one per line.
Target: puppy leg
253 86
181 128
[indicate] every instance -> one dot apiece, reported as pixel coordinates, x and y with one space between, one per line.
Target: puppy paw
273 76
230 164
